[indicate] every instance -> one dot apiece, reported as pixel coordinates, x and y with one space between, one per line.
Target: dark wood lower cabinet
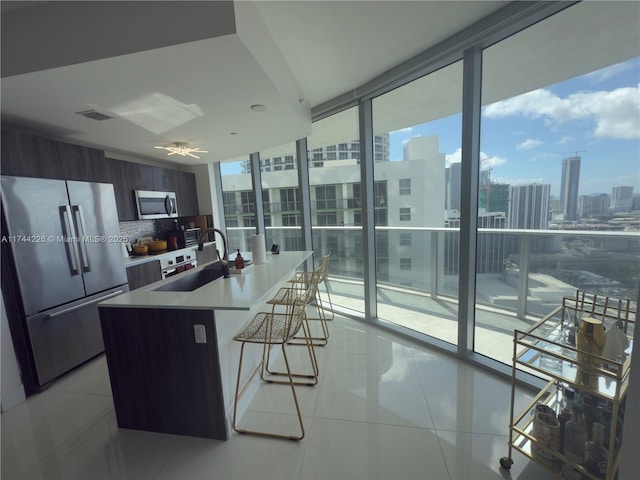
140 275
161 379
208 254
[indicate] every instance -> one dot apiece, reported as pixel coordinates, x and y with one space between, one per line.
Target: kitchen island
171 355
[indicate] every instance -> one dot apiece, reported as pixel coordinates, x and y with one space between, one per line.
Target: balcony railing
537 267
521 275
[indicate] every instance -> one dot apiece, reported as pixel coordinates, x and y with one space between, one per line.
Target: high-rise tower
529 206
569 187
621 199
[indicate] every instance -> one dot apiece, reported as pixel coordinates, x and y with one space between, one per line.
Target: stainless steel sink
188 282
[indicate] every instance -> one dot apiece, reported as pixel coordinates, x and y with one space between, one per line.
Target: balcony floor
437 318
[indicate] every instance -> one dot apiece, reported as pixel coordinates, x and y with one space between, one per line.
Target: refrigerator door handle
59 313
82 239
70 239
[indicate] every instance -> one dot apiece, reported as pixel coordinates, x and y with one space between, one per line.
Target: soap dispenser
239 263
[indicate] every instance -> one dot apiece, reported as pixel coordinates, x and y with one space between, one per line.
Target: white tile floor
385 408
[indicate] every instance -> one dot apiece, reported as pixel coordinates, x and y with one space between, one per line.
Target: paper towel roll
258 249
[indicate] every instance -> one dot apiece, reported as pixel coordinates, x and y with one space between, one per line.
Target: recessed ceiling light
258 107
182 149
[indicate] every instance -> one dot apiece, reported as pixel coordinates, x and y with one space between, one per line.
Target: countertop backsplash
159 228
137 229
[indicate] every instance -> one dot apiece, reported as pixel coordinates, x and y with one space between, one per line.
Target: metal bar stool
304 277
269 329
285 297
312 284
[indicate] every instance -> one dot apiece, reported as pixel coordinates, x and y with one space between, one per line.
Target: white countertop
240 292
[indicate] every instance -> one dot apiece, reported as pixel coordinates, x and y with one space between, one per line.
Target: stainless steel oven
175 264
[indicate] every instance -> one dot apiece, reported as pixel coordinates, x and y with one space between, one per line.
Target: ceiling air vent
94 115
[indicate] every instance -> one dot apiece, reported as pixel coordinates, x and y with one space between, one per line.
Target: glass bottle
589 414
239 262
568 398
563 417
575 436
606 416
595 455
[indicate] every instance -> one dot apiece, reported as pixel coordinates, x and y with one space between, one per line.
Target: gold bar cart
544 350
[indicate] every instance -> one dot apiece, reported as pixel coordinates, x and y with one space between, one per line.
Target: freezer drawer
64 337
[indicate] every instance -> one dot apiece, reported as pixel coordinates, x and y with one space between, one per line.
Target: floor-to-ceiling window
557 192
560 169
334 179
281 197
417 216
238 203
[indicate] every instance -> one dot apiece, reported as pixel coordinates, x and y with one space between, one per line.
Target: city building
621 199
400 189
593 205
492 196
319 156
529 206
453 186
569 188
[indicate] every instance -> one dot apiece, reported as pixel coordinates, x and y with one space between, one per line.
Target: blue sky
525 138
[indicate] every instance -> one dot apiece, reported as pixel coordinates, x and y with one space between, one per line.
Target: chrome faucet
224 261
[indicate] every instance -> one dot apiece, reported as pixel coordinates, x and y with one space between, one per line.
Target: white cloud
486 160
616 112
528 144
455 157
566 140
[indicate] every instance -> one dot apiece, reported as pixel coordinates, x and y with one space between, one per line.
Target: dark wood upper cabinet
164 180
128 176
25 155
28 155
186 194
82 163
119 174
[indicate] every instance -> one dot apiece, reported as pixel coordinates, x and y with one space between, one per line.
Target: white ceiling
189 71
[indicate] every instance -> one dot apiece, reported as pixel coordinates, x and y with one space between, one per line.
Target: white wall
12 392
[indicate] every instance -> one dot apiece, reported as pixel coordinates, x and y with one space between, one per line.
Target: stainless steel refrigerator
62 255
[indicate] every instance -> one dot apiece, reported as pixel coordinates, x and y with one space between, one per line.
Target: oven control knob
170 262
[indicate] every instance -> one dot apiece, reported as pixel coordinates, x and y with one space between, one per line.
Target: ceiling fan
183 149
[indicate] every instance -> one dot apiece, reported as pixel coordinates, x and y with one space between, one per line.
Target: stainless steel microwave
151 204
